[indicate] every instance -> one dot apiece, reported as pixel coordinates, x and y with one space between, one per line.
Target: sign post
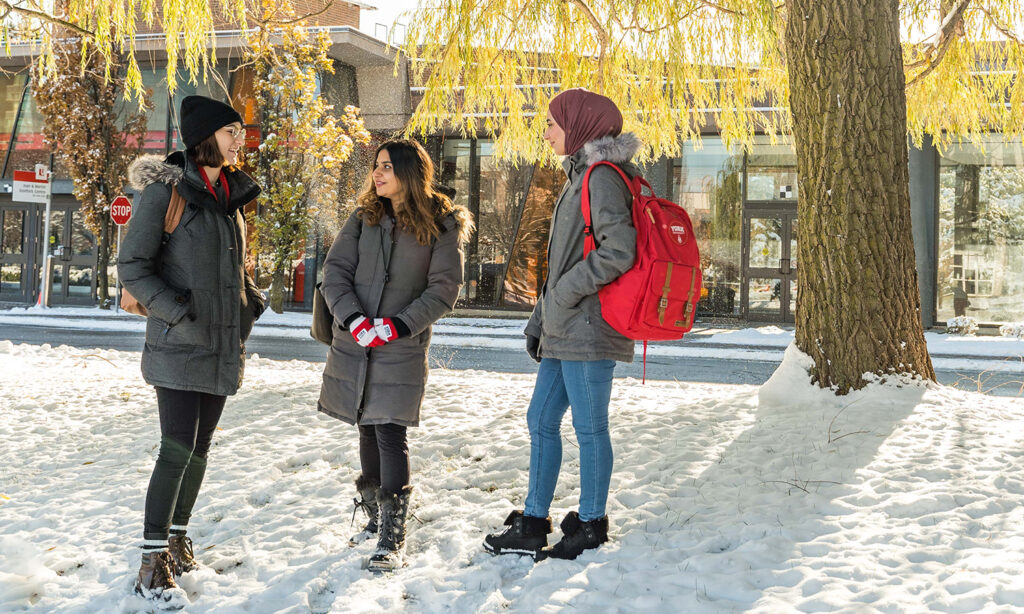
36 188
120 213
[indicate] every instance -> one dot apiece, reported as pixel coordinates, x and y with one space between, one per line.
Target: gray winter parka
201 302
567 318
382 271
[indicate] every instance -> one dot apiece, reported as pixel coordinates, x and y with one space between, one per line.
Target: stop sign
121 210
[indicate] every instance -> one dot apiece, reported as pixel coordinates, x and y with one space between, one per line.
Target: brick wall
339 13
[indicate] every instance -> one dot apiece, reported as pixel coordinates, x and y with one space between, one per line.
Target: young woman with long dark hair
395 268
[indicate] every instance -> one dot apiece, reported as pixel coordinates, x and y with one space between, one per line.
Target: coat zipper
366 364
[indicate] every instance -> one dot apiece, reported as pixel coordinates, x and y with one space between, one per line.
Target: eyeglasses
236 133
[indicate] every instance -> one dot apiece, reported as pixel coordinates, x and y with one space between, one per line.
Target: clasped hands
373 334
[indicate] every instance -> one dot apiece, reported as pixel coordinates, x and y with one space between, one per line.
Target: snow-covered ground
903 497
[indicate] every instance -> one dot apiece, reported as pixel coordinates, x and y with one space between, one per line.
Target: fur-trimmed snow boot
156 581
577 536
366 501
183 559
524 535
394 508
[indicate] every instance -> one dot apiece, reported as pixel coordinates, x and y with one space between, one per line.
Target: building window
981 231
707 182
155 139
29 147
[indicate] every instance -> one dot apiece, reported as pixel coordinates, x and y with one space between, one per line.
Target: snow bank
900 497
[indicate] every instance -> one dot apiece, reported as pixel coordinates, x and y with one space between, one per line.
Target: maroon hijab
584 116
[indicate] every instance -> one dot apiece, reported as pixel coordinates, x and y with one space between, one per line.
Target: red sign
121 210
29 187
253 136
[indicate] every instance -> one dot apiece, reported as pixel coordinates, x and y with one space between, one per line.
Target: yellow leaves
672 65
110 27
511 56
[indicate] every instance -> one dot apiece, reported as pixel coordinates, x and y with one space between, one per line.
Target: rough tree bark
858 309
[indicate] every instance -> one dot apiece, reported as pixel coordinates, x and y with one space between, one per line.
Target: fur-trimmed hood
464 222
615 149
618 150
150 169
178 170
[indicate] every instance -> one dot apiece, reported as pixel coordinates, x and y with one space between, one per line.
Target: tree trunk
277 289
102 264
858 310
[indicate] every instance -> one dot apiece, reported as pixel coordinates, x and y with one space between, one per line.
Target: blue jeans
587 387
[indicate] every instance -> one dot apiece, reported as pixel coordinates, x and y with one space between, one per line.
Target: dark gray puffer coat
567 318
381 271
201 302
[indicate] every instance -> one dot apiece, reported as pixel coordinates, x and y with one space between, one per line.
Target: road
708 370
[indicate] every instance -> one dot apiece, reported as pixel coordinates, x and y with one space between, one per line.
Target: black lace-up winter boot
367 501
524 535
577 536
390 553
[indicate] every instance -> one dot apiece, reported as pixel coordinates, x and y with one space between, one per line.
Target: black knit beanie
202 116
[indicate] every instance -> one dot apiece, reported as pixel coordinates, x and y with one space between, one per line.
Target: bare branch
296 20
720 8
602 38
518 18
43 15
998 25
949 31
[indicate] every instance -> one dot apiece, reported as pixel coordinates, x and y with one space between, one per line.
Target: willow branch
513 30
935 52
43 15
289 22
720 8
1004 30
602 38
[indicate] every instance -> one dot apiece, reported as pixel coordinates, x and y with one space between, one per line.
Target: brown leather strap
174 210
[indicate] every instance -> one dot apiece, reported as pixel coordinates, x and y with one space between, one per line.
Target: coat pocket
192 331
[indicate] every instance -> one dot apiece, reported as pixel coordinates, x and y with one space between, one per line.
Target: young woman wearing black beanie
201 306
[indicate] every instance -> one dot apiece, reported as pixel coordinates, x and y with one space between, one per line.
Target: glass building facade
980 268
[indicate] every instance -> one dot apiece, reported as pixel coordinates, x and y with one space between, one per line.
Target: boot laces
362 504
162 575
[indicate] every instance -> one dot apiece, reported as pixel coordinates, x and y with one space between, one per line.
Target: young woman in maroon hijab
576 348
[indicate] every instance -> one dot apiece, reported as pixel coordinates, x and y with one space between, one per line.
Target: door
16 281
74 253
768 288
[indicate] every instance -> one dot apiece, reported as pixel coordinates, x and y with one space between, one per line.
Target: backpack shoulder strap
589 244
175 208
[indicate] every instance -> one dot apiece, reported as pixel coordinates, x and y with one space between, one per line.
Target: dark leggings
187 422
384 455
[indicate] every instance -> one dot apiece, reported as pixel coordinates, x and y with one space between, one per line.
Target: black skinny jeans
384 455
187 422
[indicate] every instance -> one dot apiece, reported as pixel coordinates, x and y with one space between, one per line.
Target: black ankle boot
577 536
524 535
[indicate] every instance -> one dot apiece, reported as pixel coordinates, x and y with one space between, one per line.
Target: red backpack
655 300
